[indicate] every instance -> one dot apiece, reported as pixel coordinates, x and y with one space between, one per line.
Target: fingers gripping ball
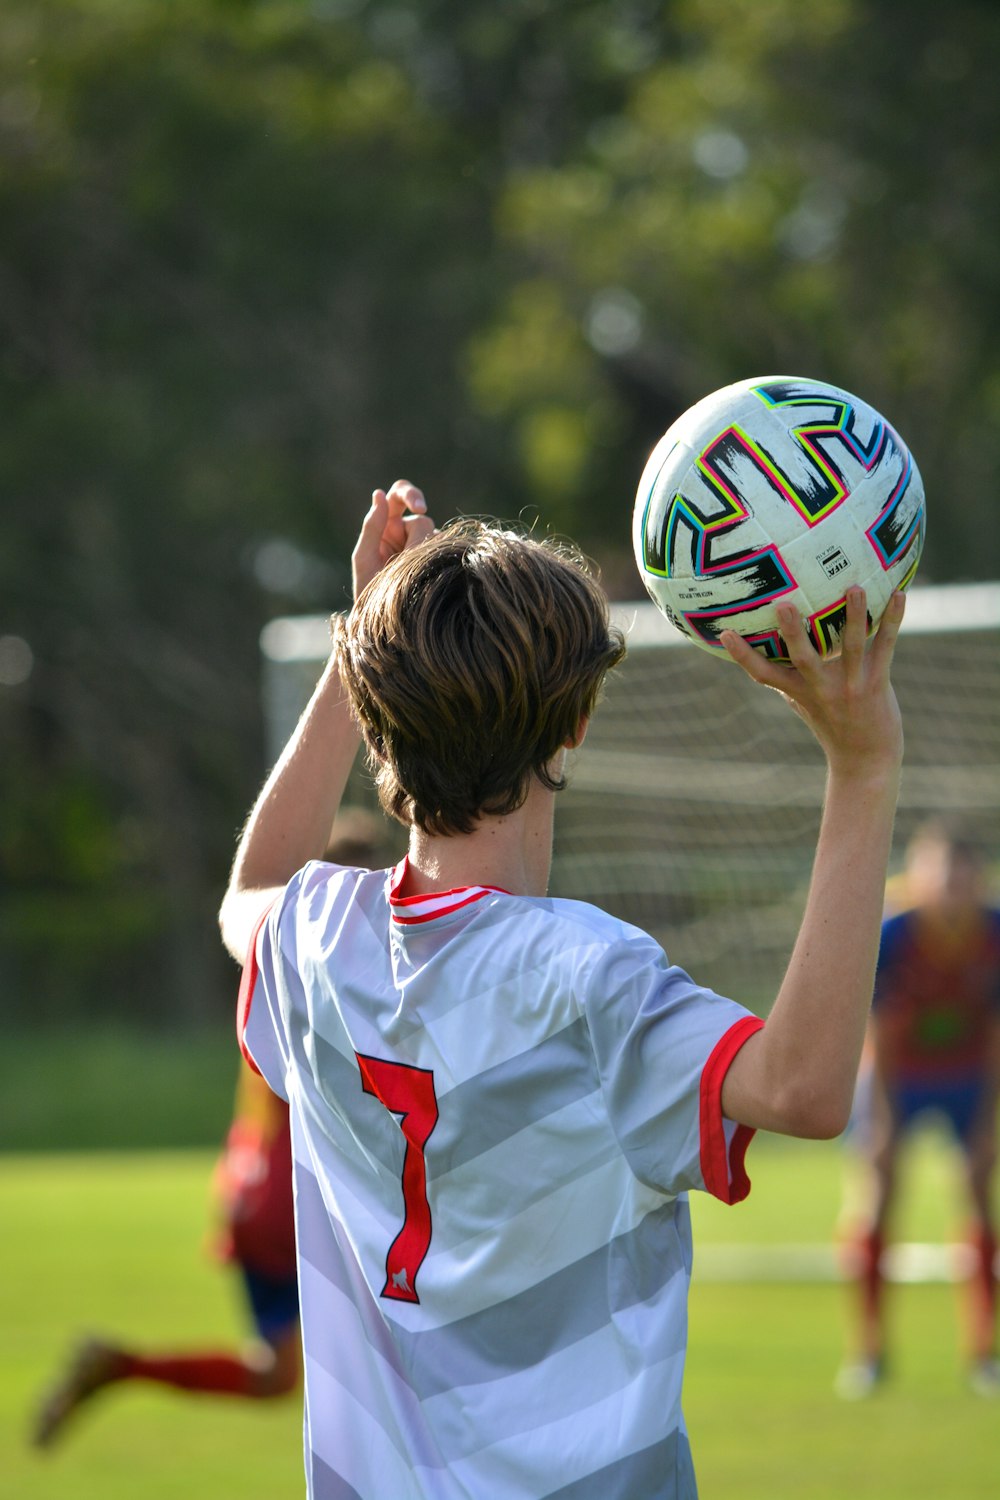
776 490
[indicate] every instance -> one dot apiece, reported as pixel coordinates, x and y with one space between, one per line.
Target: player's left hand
847 700
397 521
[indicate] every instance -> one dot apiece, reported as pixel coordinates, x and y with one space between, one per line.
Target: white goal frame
692 808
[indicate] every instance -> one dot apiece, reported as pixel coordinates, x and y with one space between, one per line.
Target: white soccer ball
779 488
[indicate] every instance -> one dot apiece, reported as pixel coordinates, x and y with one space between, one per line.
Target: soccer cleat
93 1365
857 1380
984 1377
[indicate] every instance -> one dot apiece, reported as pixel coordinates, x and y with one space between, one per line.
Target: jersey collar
407 911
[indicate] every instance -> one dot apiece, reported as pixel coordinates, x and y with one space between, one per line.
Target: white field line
911 1262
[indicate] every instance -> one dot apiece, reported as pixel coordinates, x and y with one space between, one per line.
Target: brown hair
470 661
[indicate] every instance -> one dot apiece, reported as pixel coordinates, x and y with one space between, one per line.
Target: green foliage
236 240
782 188
111 1087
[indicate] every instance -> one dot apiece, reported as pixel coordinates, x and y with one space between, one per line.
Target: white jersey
498 1105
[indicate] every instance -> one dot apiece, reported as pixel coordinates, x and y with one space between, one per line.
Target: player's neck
513 853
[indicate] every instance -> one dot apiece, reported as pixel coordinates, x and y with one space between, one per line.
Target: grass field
115 1242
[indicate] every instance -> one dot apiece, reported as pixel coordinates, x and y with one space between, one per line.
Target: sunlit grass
118 1243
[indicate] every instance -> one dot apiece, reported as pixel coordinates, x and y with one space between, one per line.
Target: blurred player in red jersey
934 1045
253 1183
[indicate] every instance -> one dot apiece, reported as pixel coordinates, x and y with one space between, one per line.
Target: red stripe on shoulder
248 982
723 1170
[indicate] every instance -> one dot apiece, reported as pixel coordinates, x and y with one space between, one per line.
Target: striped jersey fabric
498 1106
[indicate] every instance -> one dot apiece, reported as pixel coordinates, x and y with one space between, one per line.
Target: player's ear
576 740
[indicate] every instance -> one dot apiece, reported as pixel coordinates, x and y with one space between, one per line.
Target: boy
499 1101
253 1176
934 1046
253 1182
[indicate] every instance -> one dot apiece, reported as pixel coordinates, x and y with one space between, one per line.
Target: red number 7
408 1092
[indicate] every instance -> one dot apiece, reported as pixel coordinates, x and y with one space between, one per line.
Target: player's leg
256 1372
980 1155
93 1365
269 1366
276 1356
278 1362
263 1370
880 1134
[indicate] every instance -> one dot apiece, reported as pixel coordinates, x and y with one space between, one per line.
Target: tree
236 255
785 188
257 256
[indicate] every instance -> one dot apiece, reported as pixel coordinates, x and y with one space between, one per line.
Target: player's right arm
796 1076
290 822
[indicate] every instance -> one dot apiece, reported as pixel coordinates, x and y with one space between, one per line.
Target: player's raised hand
847 700
397 520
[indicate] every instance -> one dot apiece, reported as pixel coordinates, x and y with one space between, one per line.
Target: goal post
693 807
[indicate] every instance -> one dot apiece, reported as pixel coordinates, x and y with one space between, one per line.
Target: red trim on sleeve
248 981
723 1171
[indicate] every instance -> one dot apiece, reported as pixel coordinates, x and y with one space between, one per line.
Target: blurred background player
253 1187
933 1046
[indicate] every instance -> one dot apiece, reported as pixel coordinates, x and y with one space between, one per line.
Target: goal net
692 810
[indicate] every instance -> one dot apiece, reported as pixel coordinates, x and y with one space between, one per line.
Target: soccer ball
770 489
